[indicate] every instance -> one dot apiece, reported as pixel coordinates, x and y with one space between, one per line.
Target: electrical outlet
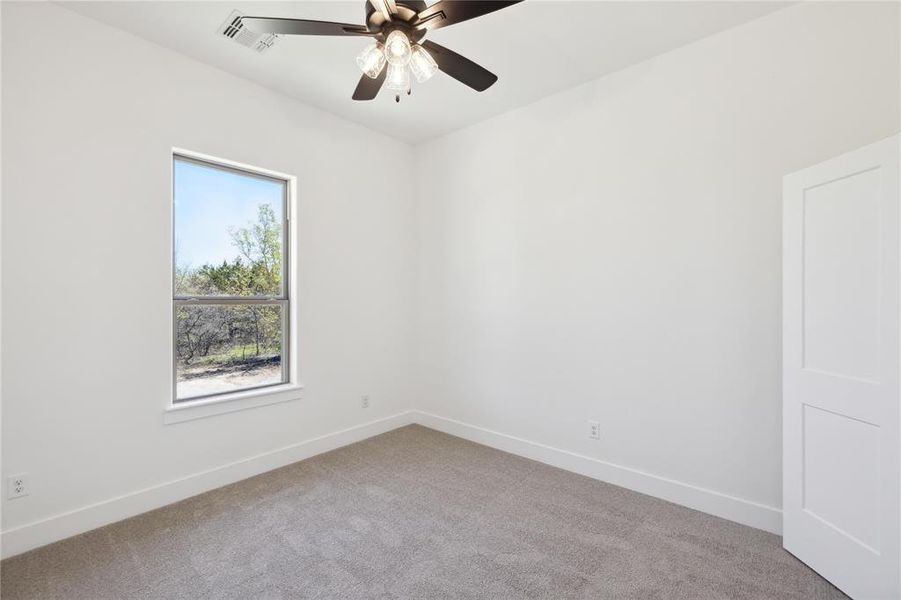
594 430
17 486
364 402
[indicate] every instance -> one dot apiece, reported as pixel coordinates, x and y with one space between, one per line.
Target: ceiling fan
397 28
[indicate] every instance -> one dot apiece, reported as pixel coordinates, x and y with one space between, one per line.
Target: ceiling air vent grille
234 30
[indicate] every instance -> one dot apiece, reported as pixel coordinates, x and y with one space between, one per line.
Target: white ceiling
536 48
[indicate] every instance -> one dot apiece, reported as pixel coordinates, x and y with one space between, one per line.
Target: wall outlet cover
16 486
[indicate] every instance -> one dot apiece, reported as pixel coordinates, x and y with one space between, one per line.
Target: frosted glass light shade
422 64
372 59
398 78
397 48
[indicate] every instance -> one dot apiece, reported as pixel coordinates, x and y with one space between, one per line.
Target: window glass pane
229 232
224 348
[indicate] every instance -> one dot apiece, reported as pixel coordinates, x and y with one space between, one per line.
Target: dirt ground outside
223 378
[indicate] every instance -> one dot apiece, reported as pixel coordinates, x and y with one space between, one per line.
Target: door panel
842 480
841 465
841 276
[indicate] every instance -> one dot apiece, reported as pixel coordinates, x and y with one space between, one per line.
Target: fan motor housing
406 14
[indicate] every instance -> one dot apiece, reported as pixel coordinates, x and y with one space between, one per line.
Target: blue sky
209 202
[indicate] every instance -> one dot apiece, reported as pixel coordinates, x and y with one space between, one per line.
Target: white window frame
193 408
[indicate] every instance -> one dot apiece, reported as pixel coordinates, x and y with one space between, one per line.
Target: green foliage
228 333
261 247
256 272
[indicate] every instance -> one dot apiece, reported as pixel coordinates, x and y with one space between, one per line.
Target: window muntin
231 304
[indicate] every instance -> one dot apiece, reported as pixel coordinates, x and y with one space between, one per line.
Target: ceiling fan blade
302 27
460 68
448 12
368 88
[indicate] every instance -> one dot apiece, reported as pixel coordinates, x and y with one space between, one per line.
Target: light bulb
372 59
398 78
422 64
397 48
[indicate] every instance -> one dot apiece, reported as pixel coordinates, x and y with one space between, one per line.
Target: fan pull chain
397 96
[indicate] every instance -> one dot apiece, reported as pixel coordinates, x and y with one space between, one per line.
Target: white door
841 466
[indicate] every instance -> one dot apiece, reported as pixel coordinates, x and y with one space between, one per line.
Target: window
231 306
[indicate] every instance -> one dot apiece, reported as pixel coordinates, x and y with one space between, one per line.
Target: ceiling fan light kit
397 48
398 78
397 28
422 64
372 59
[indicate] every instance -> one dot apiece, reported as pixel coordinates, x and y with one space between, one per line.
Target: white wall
610 253
90 115
613 252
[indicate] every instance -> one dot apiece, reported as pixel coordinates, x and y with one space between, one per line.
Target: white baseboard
715 503
32 535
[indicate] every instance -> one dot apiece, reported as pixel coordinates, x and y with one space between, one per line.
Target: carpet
415 513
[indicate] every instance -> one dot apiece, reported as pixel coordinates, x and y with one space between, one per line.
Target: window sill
209 407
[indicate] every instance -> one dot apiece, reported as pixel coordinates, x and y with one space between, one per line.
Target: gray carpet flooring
417 514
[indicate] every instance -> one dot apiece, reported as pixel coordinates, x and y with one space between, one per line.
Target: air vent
234 30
